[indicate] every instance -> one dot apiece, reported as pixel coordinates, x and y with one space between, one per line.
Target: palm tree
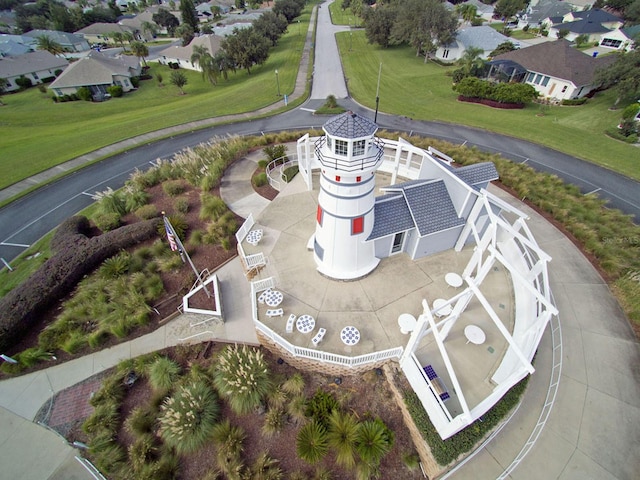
118 37
149 28
471 61
128 36
312 444
179 80
467 11
205 61
374 441
343 436
44 42
140 50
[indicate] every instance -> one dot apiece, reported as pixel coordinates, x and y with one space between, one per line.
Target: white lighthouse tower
349 155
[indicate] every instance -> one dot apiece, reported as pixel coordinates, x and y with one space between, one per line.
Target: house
483 37
136 22
538 13
556 69
10 43
39 66
593 23
182 55
97 71
103 32
483 10
11 48
68 41
621 38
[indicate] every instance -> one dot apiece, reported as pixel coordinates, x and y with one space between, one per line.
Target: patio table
350 335
273 298
305 323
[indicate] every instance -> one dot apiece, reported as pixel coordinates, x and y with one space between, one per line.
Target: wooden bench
276 312
290 321
319 336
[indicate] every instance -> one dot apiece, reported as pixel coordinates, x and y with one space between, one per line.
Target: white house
103 32
556 69
594 23
182 55
97 71
537 13
622 39
38 66
68 41
482 37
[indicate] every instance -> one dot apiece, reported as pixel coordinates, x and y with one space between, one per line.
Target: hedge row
75 255
491 103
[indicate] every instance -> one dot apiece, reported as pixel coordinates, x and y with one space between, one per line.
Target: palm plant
296 408
273 422
241 375
230 439
44 42
207 64
374 441
467 11
472 62
118 38
163 373
312 443
149 28
343 436
294 385
140 421
266 467
140 50
142 451
188 417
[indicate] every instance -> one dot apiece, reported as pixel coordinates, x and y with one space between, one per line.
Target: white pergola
512 246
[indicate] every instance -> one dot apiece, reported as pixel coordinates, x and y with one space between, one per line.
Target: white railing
327 357
245 228
278 164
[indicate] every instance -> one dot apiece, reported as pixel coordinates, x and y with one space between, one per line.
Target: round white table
439 302
305 323
254 237
474 334
273 298
350 335
407 323
453 279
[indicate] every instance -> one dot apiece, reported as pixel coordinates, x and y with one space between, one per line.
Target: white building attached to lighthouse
348 155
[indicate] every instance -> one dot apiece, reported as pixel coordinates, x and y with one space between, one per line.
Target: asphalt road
24 221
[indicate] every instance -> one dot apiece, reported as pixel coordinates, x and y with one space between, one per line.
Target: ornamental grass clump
242 377
163 373
188 417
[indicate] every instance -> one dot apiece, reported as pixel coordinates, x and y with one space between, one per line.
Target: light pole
350 40
375 119
278 82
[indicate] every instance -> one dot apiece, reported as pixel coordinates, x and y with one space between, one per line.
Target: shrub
179 224
107 221
574 101
115 91
173 187
260 180
274 422
274 152
630 111
181 205
163 373
294 385
188 417
290 172
146 212
211 207
33 355
230 439
241 375
320 406
42 88
23 82
134 198
374 441
115 266
343 435
84 94
135 81
142 452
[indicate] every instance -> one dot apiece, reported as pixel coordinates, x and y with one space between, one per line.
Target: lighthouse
349 154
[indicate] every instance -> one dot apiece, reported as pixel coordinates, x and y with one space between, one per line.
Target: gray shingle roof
97 69
350 125
37 61
558 59
478 173
423 204
210 42
582 26
483 37
597 15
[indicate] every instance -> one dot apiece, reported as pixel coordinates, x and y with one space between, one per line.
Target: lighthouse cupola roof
350 125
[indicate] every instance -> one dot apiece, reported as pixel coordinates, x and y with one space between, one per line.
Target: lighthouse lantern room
349 154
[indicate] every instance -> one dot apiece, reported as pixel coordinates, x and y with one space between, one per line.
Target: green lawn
419 90
38 133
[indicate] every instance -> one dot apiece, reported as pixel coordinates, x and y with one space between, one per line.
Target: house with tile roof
557 70
38 66
68 41
97 71
594 23
482 37
182 55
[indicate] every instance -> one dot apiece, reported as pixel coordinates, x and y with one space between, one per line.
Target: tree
582 39
424 24
166 19
357 9
467 11
289 8
45 42
271 26
378 23
149 28
118 38
246 47
205 61
140 50
632 12
504 47
185 31
471 61
225 63
623 75
189 14
179 80
508 8
563 32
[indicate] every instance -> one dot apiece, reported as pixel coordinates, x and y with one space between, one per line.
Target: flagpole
176 244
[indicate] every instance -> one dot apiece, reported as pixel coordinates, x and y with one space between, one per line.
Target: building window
319 214
357 225
531 77
337 178
319 250
358 147
342 147
358 179
445 53
537 80
35 76
610 42
329 142
545 81
564 89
